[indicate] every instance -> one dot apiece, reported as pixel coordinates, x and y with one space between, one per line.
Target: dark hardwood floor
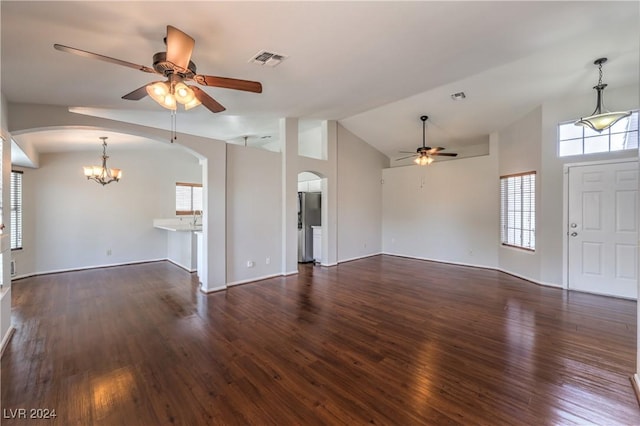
383 340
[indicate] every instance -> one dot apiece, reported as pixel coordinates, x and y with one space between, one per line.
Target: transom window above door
579 140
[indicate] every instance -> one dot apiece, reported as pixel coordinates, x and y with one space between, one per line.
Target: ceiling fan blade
444 154
109 59
179 47
210 103
404 158
137 94
435 150
229 83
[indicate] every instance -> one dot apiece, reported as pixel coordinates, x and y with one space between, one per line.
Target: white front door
603 229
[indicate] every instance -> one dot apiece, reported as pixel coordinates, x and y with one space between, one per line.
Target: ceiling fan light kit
103 174
423 160
601 119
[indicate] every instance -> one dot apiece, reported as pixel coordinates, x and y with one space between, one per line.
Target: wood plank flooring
383 340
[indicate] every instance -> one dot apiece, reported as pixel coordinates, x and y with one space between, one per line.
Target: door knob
574 225
574 234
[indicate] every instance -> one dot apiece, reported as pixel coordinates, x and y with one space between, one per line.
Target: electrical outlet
267 260
108 252
250 263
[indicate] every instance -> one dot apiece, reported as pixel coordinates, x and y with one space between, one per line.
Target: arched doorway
311 211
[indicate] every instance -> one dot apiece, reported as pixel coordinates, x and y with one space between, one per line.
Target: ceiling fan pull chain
174 135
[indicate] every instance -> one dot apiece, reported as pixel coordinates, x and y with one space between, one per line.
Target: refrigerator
309 214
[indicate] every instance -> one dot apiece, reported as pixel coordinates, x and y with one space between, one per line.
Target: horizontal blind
518 210
188 198
16 210
197 198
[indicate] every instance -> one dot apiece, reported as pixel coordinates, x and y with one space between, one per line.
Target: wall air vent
269 59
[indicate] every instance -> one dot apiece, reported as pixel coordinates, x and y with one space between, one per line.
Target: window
188 198
16 210
579 140
518 210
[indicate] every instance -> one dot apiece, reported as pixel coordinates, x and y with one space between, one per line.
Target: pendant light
601 119
102 174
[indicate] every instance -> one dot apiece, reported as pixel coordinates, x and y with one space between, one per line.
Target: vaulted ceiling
374 66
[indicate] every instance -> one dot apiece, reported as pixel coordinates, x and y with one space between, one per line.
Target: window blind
188 198
16 210
518 210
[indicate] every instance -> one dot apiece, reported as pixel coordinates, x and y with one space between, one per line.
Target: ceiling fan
176 66
424 154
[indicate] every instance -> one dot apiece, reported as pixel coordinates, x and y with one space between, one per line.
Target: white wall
359 197
70 222
519 151
446 211
310 143
254 205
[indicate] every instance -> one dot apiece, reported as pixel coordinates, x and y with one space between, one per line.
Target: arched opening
100 225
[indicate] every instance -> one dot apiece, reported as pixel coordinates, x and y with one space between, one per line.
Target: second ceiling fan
424 154
176 66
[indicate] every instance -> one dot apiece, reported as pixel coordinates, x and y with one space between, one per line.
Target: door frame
565 208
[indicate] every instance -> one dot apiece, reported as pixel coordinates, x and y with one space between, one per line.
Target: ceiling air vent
269 59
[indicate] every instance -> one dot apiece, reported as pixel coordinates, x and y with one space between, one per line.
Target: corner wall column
289 147
329 215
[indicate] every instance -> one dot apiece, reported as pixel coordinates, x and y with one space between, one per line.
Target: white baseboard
286 274
5 340
635 382
472 265
180 265
355 258
250 280
59 271
212 290
329 264
523 277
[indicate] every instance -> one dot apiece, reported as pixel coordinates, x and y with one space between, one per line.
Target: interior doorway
602 228
310 207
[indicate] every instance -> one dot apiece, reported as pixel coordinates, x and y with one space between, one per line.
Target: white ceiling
374 66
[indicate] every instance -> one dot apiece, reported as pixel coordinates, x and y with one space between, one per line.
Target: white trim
250 280
180 265
111 265
471 265
451 262
635 381
522 277
212 290
331 264
6 339
286 274
356 258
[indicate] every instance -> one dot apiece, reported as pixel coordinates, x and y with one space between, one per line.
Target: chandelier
102 174
601 119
